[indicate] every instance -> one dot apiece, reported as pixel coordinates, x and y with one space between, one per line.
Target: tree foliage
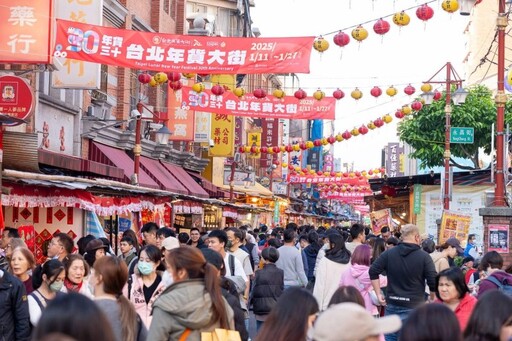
425 130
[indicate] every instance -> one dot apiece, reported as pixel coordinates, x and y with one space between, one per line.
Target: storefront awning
257 190
161 175
186 180
117 157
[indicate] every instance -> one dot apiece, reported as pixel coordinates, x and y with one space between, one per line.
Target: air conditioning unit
100 112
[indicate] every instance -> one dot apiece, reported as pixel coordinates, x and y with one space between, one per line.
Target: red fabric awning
117 157
161 175
186 180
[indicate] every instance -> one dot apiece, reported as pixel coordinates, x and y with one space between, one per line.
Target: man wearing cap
350 321
168 244
408 267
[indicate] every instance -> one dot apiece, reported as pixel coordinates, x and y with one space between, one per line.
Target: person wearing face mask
76 271
48 280
147 284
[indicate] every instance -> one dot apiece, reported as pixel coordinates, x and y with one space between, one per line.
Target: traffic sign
462 135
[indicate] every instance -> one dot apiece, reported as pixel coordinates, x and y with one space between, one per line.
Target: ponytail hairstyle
51 269
114 274
193 262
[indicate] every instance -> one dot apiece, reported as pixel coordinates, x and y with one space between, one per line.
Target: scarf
72 287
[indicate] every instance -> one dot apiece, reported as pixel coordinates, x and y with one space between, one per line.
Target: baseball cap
350 321
454 242
170 243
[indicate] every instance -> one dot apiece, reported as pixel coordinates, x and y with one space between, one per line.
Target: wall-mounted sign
240 178
16 97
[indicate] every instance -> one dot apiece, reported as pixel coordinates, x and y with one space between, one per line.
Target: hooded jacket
328 277
14 315
358 277
142 307
501 276
440 261
407 267
184 304
311 252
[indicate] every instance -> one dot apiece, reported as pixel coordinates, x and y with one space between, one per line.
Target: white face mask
167 279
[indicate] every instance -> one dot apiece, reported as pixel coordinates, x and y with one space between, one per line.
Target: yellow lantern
296 147
406 110
371 125
327 173
426 87
312 171
284 164
391 91
319 95
198 87
401 19
153 82
297 168
339 137
278 93
356 94
309 144
359 33
283 149
387 118
247 149
324 141
450 6
189 75
160 77
239 92
363 173
354 132
321 44
338 174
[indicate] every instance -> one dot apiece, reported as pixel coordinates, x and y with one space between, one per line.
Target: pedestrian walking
14 311
77 270
449 249
495 277
290 261
21 265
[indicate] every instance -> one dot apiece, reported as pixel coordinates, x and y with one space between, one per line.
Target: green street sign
462 135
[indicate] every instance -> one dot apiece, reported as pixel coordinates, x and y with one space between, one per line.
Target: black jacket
231 295
268 286
14 315
407 267
311 253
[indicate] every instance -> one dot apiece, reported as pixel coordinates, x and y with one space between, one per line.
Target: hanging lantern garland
401 19
381 27
424 13
450 6
359 33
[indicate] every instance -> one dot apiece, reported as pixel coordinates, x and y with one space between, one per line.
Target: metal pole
137 149
447 154
500 99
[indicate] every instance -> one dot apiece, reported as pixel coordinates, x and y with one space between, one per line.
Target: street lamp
459 97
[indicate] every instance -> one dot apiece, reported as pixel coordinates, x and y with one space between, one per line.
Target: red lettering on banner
166 52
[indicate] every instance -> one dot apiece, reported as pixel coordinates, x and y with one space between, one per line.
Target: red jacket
464 310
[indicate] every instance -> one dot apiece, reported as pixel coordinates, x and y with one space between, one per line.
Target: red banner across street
288 107
182 53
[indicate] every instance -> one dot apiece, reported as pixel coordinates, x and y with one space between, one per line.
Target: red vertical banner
70 215
35 217
269 139
49 215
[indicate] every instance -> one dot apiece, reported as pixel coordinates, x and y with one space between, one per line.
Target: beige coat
440 261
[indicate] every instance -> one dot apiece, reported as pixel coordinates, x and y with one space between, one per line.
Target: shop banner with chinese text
324 179
287 107
182 53
182 119
454 225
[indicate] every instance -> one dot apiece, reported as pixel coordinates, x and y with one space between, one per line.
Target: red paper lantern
416 105
264 150
305 170
338 94
288 148
341 39
174 76
345 175
241 149
346 135
276 149
300 94
357 174
303 146
331 139
399 114
259 93
424 12
370 172
363 130
175 85
253 150
437 95
276 163
381 27
218 90
378 122
144 78
333 173
319 173
409 90
376 91
317 143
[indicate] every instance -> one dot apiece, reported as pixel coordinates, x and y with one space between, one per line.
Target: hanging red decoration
259 93
241 149
399 114
144 78
378 122
409 90
288 148
174 76
338 94
317 143
381 27
416 105
424 12
331 139
175 85
363 130
264 150
300 94
437 95
254 150
341 39
346 135
376 91
276 149
290 167
217 90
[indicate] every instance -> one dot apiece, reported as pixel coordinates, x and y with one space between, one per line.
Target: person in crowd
107 281
470 249
467 265
391 242
11 246
431 322
358 277
77 270
61 317
428 245
454 293
60 246
347 294
385 233
349 321
195 239
404 261
14 311
94 250
495 278
82 243
8 234
330 269
149 233
183 238
161 234
291 318
268 286
449 249
229 291
168 244
193 303
128 251
21 266
379 246
311 252
147 284
48 280
262 239
490 320
358 237
235 241
249 245
290 261
133 236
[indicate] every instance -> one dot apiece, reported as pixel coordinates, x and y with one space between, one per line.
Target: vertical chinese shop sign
181 118
254 140
269 138
223 126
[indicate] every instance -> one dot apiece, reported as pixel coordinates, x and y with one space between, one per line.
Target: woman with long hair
291 318
311 252
77 270
330 268
147 284
107 281
21 264
47 281
193 303
379 246
346 294
431 322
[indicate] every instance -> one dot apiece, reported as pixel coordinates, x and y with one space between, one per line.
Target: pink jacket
358 277
138 300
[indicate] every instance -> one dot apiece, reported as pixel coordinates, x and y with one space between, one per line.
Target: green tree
425 130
